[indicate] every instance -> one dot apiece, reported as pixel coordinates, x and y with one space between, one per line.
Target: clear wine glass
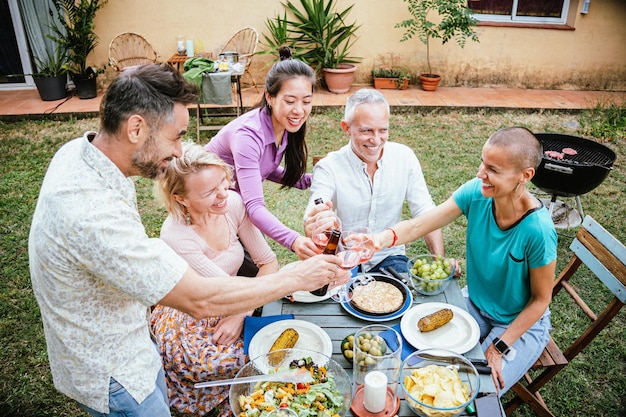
366 239
349 251
355 247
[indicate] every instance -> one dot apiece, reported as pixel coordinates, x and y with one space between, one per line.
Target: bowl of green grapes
430 274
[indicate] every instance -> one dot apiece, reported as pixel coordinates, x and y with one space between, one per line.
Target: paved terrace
26 103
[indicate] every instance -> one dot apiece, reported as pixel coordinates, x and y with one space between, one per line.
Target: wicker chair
130 49
244 42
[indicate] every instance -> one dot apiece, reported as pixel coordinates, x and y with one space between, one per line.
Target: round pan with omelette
384 295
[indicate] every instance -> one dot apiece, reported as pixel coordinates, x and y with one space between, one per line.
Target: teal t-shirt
499 261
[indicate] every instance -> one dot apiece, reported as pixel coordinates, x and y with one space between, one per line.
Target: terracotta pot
338 80
390 83
429 81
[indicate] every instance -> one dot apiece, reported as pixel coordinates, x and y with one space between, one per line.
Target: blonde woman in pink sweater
207 225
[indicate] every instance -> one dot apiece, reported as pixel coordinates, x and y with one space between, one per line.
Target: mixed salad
319 398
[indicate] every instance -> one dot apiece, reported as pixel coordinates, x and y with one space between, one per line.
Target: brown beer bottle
330 249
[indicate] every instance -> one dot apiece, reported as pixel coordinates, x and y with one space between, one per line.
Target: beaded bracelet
395 237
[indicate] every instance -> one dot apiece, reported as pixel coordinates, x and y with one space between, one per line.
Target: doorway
14 57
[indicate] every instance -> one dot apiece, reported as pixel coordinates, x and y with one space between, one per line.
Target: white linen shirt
341 177
95 272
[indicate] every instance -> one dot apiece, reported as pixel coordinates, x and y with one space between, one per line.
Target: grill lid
588 152
574 174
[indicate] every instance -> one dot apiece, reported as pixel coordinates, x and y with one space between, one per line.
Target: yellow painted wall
593 56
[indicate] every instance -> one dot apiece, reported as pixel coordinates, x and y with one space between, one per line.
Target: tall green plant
456 23
79 36
317 33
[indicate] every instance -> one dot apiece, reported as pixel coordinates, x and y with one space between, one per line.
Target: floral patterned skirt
189 357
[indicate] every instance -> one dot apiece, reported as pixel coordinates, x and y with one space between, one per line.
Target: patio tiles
27 103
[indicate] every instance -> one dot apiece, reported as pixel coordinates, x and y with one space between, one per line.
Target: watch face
501 346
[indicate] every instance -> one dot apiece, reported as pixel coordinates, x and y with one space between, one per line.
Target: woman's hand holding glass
325 222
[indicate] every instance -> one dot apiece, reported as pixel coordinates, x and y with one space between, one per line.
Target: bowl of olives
370 343
430 274
347 347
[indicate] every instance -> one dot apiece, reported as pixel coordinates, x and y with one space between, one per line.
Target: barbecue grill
575 172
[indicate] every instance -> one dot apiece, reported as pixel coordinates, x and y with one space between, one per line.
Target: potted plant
78 36
319 35
456 22
385 77
51 76
390 76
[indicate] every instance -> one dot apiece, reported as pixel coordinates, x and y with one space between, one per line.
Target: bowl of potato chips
438 382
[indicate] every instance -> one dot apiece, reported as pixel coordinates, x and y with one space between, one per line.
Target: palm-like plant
78 36
279 35
316 33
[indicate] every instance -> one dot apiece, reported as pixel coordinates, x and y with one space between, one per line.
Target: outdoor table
338 323
179 60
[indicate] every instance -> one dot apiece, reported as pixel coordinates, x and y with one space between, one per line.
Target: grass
448 144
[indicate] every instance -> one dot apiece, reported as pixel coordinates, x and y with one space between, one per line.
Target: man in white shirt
369 179
94 270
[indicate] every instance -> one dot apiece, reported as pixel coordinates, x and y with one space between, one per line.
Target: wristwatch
501 346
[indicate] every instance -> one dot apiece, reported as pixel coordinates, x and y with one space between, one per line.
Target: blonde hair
172 181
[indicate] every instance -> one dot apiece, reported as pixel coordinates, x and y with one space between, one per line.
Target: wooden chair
605 257
129 49
244 42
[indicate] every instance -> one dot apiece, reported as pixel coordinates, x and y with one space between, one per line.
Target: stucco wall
593 56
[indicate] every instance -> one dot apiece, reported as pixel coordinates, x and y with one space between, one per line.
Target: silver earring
187 217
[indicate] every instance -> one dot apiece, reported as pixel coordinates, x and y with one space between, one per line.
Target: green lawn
448 144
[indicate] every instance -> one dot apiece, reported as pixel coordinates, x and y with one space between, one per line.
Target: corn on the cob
286 340
435 320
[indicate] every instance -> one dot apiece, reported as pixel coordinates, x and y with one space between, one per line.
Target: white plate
306 296
459 335
310 337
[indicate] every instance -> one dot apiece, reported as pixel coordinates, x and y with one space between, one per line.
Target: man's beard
143 160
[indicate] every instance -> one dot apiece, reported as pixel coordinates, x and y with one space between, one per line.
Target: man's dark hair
147 90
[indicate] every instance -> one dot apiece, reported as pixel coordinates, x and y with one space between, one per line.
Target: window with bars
522 11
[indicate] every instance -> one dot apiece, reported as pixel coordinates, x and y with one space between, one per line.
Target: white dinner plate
310 337
459 335
306 296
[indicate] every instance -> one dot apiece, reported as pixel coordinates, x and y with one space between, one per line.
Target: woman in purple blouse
256 142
